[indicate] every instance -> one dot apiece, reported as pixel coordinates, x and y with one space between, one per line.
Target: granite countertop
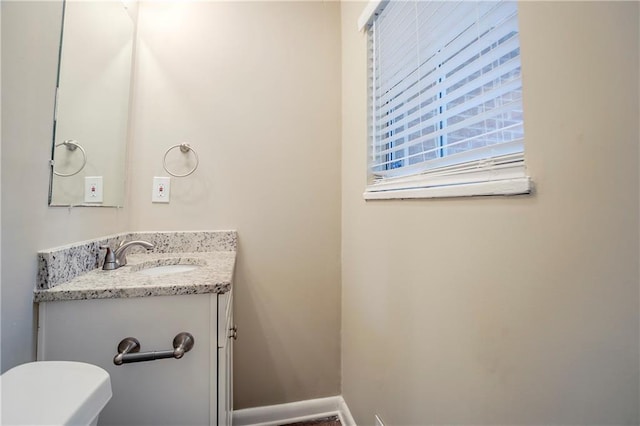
214 275
74 272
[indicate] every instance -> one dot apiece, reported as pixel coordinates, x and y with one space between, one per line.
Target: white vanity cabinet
194 390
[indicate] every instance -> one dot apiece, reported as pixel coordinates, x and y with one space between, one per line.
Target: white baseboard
273 415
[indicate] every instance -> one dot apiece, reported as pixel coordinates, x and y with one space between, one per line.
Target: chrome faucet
119 258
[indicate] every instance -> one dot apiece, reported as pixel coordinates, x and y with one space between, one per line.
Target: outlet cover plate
93 189
161 189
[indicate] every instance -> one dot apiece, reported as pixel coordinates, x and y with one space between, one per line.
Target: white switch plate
93 189
161 189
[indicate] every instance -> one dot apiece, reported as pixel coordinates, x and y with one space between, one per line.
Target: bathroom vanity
177 287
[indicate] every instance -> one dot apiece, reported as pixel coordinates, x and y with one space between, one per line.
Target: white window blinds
446 93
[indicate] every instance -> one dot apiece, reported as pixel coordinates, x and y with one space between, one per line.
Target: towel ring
184 148
71 146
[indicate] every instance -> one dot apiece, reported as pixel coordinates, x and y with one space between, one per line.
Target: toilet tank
53 393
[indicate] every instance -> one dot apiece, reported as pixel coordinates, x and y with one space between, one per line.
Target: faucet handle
109 259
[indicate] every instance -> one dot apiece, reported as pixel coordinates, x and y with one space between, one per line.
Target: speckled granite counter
213 251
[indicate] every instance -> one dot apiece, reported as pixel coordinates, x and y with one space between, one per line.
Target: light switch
161 190
93 189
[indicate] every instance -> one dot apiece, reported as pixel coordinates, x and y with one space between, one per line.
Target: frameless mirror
92 104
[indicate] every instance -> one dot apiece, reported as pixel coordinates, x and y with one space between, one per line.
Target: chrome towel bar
129 350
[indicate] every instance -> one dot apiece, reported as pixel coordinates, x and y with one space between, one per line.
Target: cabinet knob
233 332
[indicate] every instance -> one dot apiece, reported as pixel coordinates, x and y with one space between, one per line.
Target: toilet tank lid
53 392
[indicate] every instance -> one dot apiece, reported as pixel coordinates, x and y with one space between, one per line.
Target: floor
325 421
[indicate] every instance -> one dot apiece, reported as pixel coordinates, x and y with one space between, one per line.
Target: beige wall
506 310
30 36
255 89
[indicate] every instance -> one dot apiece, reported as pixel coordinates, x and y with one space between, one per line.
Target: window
445 99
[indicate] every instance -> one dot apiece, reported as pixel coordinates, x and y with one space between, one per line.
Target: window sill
517 186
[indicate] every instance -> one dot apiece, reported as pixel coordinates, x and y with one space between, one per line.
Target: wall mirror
88 153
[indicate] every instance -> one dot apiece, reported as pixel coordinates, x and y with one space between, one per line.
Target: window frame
508 178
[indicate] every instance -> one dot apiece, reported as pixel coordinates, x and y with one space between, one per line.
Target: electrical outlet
161 190
93 189
378 421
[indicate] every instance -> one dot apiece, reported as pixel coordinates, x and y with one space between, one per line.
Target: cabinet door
160 392
229 381
225 359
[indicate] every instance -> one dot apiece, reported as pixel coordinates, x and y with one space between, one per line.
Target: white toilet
53 393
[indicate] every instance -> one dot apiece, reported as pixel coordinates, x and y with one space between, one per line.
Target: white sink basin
167 269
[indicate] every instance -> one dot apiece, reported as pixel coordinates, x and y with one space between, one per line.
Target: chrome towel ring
71 146
184 148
